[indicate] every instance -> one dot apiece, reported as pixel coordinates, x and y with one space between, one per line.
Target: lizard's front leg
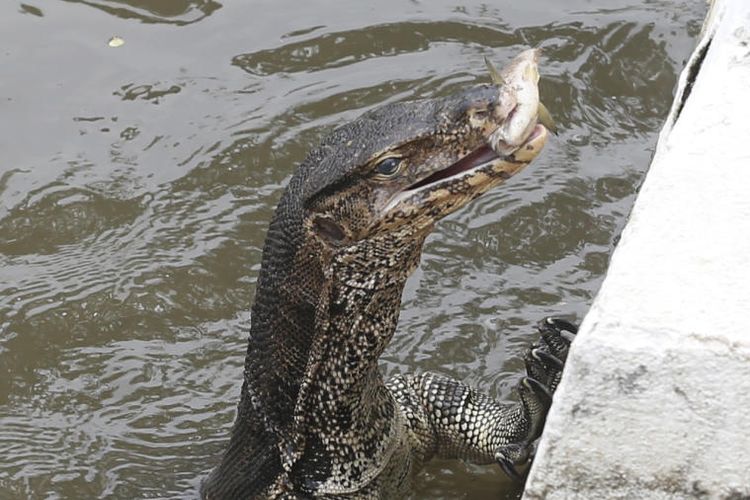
451 420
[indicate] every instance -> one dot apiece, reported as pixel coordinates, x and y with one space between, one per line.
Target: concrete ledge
655 400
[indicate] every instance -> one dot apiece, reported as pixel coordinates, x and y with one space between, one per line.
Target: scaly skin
316 418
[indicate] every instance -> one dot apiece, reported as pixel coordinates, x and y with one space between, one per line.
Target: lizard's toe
538 389
557 334
510 456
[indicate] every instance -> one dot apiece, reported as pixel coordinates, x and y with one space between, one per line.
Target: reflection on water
179 12
137 183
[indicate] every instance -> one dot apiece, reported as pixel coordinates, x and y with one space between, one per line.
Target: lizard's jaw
449 189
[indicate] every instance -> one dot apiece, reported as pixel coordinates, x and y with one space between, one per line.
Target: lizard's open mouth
478 157
483 156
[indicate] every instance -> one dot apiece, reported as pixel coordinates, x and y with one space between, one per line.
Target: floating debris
116 41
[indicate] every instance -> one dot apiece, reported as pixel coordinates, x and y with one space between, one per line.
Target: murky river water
136 184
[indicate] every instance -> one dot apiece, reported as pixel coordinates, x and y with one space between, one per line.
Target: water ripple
130 245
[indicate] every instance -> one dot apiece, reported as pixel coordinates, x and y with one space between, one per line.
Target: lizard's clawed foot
544 364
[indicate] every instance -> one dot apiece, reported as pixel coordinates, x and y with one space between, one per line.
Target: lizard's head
396 170
348 230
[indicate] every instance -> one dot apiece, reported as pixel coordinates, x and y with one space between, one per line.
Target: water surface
136 184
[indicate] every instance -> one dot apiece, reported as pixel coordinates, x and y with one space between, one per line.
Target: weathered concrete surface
655 400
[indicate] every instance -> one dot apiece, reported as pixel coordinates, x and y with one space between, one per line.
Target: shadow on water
137 183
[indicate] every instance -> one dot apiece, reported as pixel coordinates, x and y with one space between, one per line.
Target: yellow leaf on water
116 41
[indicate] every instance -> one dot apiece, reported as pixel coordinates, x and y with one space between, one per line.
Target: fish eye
389 166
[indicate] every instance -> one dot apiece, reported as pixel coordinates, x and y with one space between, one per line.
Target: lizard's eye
389 167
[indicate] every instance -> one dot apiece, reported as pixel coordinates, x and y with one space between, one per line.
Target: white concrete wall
655 399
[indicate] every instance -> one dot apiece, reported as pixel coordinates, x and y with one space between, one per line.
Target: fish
543 115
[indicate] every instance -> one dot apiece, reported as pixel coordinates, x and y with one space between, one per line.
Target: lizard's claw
558 334
544 364
540 391
545 358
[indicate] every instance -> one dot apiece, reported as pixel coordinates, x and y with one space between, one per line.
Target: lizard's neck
344 411
312 364
313 398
